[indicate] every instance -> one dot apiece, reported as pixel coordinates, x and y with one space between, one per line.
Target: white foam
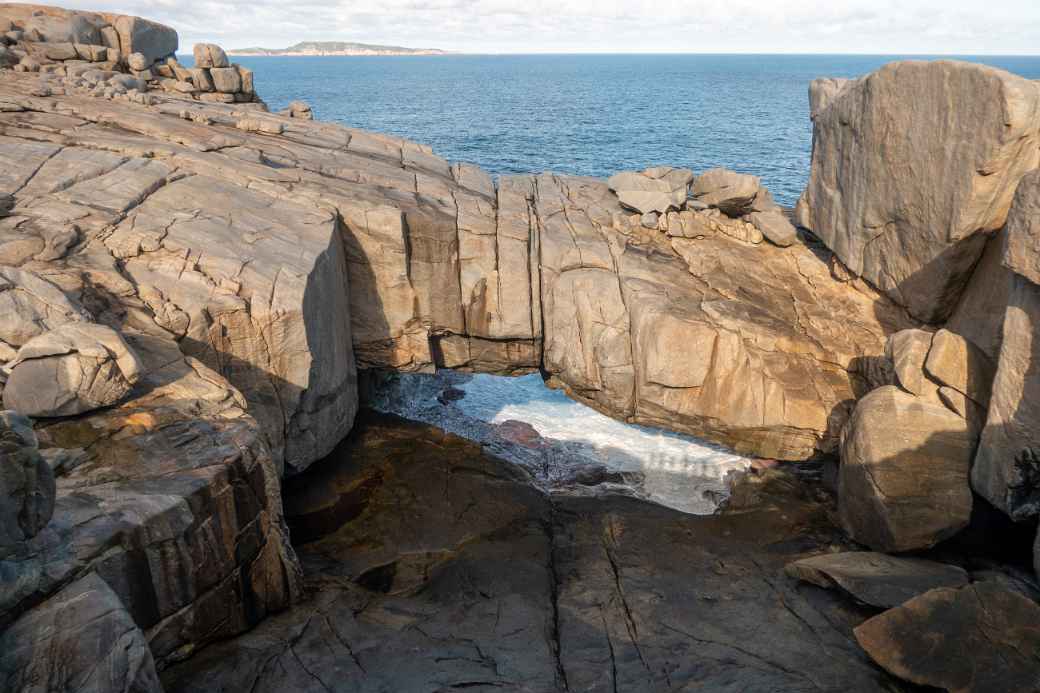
677 469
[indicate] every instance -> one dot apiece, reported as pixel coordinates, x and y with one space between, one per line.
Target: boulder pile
114 56
722 201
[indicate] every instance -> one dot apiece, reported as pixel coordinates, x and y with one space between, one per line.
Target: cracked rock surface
435 567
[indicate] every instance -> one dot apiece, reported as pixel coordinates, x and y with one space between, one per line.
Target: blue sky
512 26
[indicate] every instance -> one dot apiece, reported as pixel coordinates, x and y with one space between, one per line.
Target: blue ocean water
584 114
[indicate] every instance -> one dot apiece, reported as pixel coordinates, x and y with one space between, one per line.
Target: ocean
584 114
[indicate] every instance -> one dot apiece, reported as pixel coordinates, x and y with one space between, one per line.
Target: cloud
714 26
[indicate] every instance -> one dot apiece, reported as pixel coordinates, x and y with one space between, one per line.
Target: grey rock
775 226
81 639
26 483
733 193
226 79
209 55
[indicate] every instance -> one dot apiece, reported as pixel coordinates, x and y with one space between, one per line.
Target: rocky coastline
193 288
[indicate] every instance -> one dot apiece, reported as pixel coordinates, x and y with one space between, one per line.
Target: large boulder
872 195
209 55
1007 467
26 482
733 193
69 370
975 639
150 39
82 639
903 480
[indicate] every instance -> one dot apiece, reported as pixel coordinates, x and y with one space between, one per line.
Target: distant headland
337 48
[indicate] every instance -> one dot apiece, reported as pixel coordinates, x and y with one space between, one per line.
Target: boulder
226 79
775 226
138 62
201 79
903 480
69 370
82 639
300 109
210 55
872 196
655 190
150 39
876 579
973 639
908 350
26 483
955 362
733 193
60 51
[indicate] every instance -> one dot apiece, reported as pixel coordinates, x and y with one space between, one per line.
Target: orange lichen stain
141 419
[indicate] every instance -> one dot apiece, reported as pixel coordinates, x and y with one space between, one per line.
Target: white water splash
675 470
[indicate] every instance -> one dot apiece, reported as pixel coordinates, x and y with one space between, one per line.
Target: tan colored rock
958 363
150 39
908 350
226 80
138 62
69 370
733 193
201 79
974 639
246 76
979 315
1022 251
872 196
1005 469
209 55
654 190
775 227
903 480
30 306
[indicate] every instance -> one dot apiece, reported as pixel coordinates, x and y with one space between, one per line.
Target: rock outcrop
873 196
26 483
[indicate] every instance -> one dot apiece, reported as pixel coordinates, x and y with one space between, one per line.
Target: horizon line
446 53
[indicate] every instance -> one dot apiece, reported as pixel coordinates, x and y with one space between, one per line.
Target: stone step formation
191 286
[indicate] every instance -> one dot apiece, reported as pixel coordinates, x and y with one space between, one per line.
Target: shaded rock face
83 639
903 481
26 483
872 196
977 638
436 567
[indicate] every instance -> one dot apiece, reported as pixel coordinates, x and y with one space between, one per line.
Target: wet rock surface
433 566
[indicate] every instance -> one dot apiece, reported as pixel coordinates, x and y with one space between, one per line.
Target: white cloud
713 26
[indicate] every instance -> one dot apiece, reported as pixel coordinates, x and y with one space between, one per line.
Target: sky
976 27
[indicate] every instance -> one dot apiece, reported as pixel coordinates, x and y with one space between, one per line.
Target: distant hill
336 48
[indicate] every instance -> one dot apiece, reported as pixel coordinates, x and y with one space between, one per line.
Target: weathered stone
69 370
209 55
82 639
246 76
733 193
138 62
226 79
60 51
1022 250
26 483
958 363
979 315
150 39
201 79
974 639
654 190
876 579
872 196
30 306
903 480
775 226
1006 471
908 350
